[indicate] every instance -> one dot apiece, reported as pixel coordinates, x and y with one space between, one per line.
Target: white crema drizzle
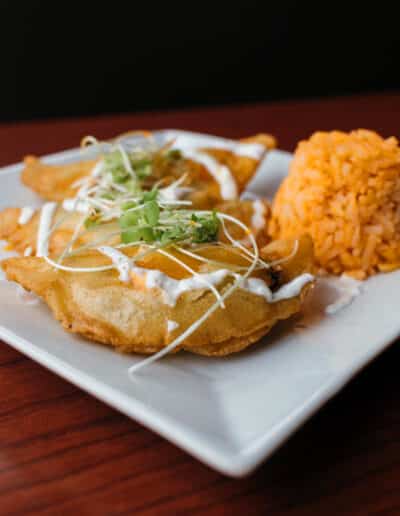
347 289
258 217
46 217
249 150
25 216
121 262
172 325
172 288
220 173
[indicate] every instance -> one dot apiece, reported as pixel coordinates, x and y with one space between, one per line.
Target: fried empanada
133 318
242 167
54 182
59 182
22 237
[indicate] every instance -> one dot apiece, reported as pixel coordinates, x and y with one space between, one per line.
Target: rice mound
343 189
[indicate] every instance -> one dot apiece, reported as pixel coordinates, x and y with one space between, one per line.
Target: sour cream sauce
46 217
221 173
172 325
172 288
121 262
258 217
25 215
249 150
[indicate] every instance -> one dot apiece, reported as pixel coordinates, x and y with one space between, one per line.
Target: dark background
70 58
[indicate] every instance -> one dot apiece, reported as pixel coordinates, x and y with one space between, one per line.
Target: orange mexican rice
344 190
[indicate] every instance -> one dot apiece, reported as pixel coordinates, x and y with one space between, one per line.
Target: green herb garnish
206 228
130 219
128 205
91 222
150 196
142 214
136 234
142 167
151 212
174 155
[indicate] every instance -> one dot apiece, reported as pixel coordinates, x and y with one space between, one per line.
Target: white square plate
232 412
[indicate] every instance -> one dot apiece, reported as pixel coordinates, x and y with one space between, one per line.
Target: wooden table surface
64 452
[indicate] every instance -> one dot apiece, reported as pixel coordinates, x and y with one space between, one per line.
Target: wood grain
63 452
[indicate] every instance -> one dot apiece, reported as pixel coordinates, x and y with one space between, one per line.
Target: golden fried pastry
54 182
138 315
9 224
211 175
215 174
23 237
242 167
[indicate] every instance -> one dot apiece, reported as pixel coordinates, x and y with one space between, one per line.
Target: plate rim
236 465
